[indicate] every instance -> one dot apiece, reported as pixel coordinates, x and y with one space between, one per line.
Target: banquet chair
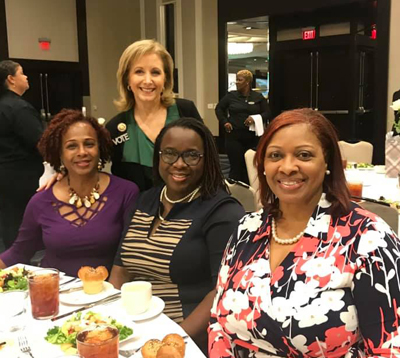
360 152
244 193
251 169
387 213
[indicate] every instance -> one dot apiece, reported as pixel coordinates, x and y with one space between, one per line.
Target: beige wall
28 20
110 30
394 57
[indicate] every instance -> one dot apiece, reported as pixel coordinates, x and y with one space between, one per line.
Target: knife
72 289
108 299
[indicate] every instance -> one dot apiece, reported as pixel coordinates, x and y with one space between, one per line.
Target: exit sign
309 34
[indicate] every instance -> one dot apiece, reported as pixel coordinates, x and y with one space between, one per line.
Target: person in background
20 162
312 274
147 104
180 228
79 220
234 111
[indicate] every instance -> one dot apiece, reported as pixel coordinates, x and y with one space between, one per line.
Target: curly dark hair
50 145
212 178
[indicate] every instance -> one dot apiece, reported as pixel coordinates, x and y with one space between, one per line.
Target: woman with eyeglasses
179 229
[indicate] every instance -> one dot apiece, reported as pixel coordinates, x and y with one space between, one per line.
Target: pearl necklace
284 241
190 196
164 193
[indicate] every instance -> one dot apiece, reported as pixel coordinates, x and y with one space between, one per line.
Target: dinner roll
168 351
175 340
150 348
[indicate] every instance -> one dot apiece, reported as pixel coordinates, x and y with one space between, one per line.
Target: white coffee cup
136 296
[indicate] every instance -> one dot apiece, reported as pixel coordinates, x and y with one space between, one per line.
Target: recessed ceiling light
248 27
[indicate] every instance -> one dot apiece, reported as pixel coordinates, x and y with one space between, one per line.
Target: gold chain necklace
87 200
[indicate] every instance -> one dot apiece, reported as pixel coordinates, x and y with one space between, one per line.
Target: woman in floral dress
312 274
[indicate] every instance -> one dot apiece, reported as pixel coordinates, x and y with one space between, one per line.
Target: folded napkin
258 125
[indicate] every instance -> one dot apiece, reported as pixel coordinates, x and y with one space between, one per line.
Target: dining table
376 184
155 327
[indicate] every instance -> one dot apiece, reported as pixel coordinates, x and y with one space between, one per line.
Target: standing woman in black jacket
20 163
147 105
234 111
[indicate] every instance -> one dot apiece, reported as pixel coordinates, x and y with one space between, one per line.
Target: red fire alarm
309 34
44 44
373 32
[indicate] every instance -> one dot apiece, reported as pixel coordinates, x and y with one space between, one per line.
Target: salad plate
65 333
82 298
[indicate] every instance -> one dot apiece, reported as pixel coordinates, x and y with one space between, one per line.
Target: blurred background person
20 162
79 220
147 104
180 228
312 274
234 111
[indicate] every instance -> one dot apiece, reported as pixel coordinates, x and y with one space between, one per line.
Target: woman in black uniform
20 162
234 111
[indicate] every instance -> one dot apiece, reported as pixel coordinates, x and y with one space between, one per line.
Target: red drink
44 293
98 342
355 189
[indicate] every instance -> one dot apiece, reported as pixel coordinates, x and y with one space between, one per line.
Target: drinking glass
12 310
44 285
98 342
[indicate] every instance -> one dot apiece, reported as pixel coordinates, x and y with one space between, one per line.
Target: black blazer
139 174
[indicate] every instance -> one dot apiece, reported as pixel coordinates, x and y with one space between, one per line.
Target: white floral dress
336 294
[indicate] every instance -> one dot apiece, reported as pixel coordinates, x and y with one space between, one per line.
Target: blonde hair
131 54
248 76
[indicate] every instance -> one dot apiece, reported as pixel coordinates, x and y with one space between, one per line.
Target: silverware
108 299
130 352
72 289
24 346
69 281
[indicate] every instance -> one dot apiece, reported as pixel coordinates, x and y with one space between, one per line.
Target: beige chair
251 169
387 213
244 193
360 152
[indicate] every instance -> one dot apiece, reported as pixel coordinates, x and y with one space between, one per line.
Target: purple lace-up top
72 239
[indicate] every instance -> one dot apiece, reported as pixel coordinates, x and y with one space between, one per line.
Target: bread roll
175 340
92 278
168 351
150 348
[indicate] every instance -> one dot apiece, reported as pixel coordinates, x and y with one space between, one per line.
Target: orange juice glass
98 342
44 285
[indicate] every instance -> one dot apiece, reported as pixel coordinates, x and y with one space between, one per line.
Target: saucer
156 307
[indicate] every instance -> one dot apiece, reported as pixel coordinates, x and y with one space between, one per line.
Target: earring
100 165
327 172
62 169
129 88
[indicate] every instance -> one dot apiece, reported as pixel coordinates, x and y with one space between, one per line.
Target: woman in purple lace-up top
80 219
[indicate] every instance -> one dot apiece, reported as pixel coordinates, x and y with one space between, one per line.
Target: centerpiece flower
396 125
392 144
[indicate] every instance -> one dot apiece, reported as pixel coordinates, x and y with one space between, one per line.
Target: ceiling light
239 48
248 27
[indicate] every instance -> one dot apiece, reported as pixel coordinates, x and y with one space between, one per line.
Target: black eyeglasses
190 157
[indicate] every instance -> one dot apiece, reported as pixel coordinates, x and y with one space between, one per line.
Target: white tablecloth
35 331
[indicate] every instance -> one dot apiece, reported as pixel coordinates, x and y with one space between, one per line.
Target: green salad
364 166
65 335
13 279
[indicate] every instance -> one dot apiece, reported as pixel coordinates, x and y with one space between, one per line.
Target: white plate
81 298
156 307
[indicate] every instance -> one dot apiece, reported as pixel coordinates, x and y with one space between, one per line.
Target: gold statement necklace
88 200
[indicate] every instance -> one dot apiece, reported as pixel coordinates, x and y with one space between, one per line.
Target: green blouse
139 148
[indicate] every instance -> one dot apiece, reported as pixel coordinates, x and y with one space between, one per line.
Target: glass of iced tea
355 189
98 342
44 287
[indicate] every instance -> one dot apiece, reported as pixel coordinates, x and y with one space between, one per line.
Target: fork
130 352
24 346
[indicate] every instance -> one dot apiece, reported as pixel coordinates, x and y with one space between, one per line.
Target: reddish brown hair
334 185
50 144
